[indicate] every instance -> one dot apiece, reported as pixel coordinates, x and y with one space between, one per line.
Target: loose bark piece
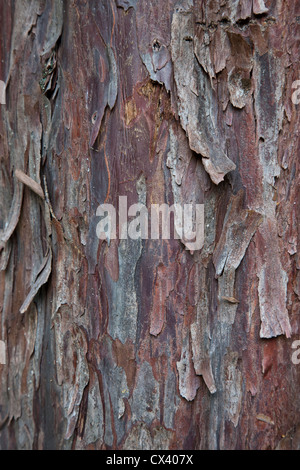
14 215
41 279
33 185
265 419
239 227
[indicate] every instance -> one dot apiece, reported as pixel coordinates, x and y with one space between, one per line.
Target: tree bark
146 344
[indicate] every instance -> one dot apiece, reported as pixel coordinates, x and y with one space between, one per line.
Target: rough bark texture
141 344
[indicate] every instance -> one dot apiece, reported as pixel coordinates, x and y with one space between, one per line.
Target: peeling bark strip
265 419
40 280
23 178
149 344
272 287
201 362
196 98
14 216
239 227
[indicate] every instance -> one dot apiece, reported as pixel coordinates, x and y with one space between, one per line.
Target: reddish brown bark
141 343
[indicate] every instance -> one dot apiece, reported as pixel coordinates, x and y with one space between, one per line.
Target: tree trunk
148 343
